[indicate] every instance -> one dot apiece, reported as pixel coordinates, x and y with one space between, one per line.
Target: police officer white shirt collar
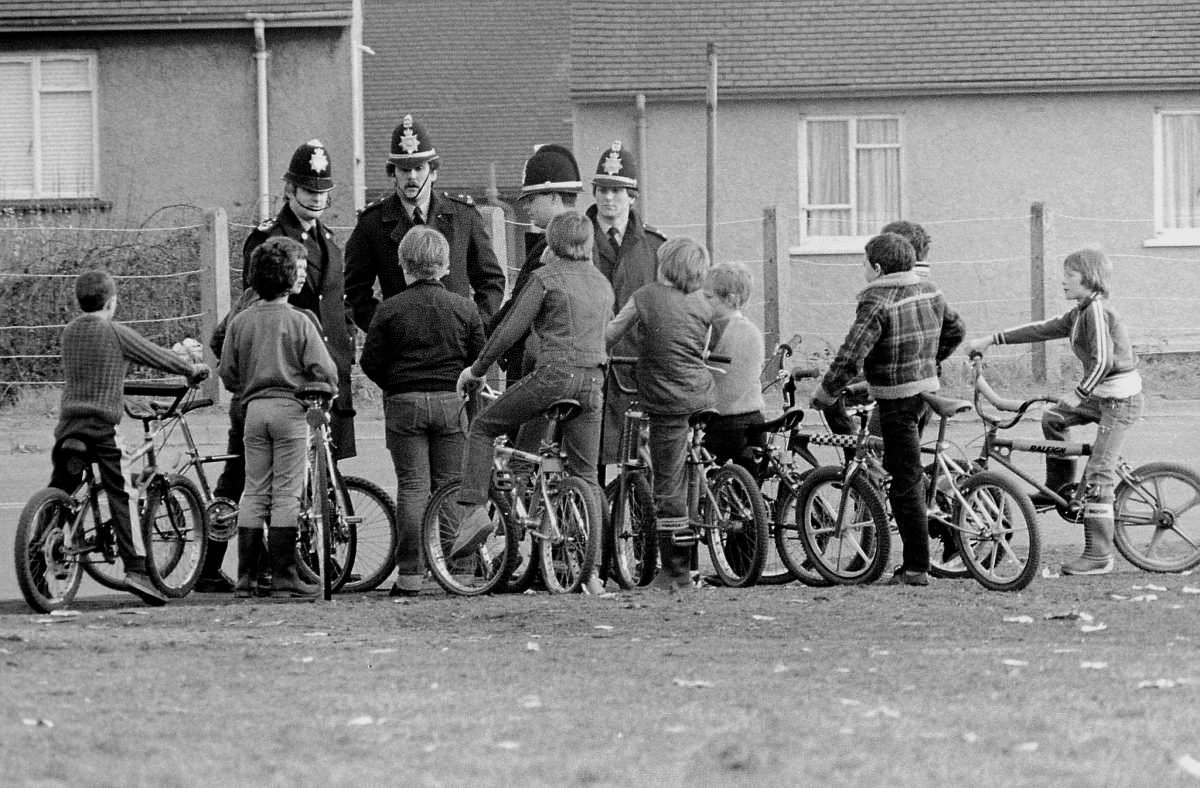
619 225
423 205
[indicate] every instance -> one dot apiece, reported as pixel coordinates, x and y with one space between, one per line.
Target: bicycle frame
545 466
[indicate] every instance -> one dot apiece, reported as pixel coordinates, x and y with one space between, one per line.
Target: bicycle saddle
74 452
316 390
701 417
563 410
784 423
946 406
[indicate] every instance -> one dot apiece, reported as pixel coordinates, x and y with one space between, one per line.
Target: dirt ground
1075 681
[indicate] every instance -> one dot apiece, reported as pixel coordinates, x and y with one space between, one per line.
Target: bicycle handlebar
984 391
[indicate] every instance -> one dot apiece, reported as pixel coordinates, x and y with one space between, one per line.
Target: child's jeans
107 456
900 422
668 456
275 440
1115 416
527 399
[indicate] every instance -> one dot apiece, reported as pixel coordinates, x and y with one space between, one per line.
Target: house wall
178 117
971 168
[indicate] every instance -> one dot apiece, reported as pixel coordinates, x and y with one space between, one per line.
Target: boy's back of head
93 289
914 233
891 253
730 282
683 263
569 236
273 266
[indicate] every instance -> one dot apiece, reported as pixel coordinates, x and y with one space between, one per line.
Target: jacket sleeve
137 348
483 269
953 332
620 325
513 327
318 363
1054 328
229 368
374 352
1093 346
360 275
863 335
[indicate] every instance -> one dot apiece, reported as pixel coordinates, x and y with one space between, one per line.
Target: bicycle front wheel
48 571
173 527
568 562
738 528
369 512
630 537
468 549
326 539
844 530
997 532
788 545
1157 514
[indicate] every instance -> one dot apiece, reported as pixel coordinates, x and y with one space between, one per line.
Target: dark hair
569 236
424 253
93 289
915 234
632 192
1093 267
891 253
273 266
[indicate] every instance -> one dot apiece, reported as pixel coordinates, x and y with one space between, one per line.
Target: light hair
1093 267
731 283
682 263
424 253
569 236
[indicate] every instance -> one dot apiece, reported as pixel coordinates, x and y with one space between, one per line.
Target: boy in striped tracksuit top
1109 394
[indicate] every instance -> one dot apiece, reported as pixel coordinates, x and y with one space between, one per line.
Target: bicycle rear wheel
738 529
47 570
173 527
854 550
630 536
325 538
788 545
1158 518
568 562
104 565
479 561
997 532
370 513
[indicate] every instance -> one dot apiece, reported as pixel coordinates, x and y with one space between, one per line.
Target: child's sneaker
1084 565
138 584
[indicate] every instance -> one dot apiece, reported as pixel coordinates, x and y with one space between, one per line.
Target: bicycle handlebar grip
629 360
801 373
717 358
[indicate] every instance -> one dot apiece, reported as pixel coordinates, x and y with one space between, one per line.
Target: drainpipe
356 102
260 58
640 108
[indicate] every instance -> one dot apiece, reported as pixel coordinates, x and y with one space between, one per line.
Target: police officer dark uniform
550 185
626 251
371 250
307 184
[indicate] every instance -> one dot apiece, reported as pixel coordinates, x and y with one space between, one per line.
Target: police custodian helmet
310 167
551 168
617 168
411 146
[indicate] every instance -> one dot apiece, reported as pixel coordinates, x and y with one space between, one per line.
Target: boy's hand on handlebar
200 372
977 345
467 383
1070 400
821 399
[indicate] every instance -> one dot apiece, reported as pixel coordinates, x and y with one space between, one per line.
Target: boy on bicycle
96 351
902 330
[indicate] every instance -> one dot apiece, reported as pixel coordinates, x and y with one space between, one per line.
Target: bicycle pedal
684 538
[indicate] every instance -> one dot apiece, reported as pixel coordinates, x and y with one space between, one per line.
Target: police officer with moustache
550 185
625 251
371 251
307 186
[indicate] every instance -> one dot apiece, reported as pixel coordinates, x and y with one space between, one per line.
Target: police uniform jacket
520 358
323 294
635 266
371 255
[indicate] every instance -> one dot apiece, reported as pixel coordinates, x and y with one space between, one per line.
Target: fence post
773 250
214 285
1046 368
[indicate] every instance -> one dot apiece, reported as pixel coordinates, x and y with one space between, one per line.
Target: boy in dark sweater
96 352
902 330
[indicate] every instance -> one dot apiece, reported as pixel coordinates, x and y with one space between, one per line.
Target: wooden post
1037 283
710 212
214 286
773 251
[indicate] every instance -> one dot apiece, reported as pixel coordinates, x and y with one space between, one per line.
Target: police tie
612 239
417 218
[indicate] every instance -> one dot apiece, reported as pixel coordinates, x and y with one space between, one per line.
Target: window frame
35 59
843 244
1163 235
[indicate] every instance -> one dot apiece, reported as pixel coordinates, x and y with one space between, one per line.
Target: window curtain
1181 171
829 177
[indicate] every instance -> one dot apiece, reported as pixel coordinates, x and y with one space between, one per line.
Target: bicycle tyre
486 565
109 573
1156 505
322 535
775 571
788 545
860 554
567 565
997 532
375 533
49 577
738 532
175 533
630 535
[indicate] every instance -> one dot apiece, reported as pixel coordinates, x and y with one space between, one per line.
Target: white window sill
1174 238
841 244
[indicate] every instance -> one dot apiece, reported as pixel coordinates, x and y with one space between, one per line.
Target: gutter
260 59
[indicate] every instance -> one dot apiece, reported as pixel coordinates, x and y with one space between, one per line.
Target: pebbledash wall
971 167
177 113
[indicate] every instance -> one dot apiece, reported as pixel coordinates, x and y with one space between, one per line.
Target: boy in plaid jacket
902 330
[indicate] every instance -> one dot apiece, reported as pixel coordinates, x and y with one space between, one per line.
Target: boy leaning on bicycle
903 329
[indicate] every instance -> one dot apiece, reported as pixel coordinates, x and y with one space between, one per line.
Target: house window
850 178
48 146
1177 176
